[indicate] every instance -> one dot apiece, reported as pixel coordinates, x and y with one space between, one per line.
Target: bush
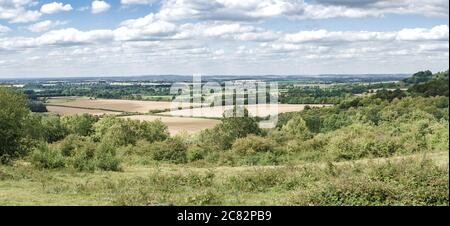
73 143
195 153
83 159
153 131
223 135
121 132
36 106
252 145
79 153
80 124
296 128
13 113
46 157
106 159
171 150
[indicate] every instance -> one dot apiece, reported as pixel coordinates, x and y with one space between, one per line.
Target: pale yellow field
261 110
114 105
179 124
76 111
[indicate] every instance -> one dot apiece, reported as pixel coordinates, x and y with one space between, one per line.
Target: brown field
179 124
114 105
261 110
76 111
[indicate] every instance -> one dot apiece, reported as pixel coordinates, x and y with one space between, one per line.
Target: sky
62 38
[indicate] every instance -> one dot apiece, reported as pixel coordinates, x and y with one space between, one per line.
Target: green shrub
153 131
120 132
195 153
13 113
80 124
82 160
258 181
79 153
46 157
170 150
296 128
105 158
252 144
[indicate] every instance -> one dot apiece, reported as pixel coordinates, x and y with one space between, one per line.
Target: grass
410 180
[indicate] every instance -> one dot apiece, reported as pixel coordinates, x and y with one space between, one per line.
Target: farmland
386 148
77 111
110 104
177 125
260 110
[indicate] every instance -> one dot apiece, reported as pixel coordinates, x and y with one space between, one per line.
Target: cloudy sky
233 37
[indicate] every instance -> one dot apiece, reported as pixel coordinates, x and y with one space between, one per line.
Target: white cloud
417 34
230 10
44 25
73 36
58 38
137 2
337 36
436 33
439 47
15 11
225 30
322 9
99 6
55 7
229 36
146 28
237 10
4 29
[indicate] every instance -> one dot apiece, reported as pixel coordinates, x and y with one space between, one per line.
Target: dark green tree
13 112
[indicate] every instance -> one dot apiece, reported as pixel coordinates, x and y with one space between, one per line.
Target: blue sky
233 37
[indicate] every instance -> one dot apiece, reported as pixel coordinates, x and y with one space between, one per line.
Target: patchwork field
63 111
179 124
261 110
177 121
114 105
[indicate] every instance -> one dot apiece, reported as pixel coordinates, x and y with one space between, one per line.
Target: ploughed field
109 105
179 124
77 111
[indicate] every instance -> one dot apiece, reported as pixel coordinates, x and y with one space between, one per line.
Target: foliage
79 153
80 124
36 106
419 77
170 150
121 132
438 86
296 129
46 157
13 112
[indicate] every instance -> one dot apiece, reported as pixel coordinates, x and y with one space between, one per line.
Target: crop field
63 111
179 124
113 105
261 110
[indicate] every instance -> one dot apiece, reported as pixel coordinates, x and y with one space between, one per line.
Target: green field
411 180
